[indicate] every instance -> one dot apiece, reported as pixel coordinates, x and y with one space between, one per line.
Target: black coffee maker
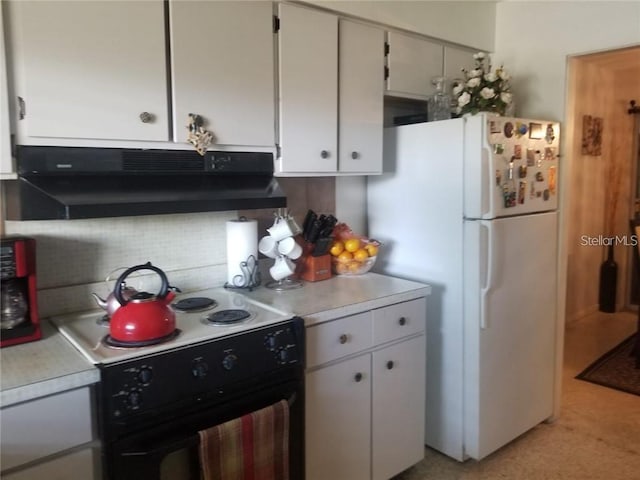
19 320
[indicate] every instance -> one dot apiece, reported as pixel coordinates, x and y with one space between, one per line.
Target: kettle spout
102 303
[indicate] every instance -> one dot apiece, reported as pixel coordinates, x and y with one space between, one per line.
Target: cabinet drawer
335 339
399 320
74 465
45 426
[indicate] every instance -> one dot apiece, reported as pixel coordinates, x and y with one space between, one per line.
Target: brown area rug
615 369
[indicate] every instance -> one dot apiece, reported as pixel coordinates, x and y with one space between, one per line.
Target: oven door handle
165 448
186 442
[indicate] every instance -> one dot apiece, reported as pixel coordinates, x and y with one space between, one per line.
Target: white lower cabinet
365 393
397 426
50 437
338 422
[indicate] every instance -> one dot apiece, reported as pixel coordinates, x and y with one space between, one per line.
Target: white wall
469 23
533 40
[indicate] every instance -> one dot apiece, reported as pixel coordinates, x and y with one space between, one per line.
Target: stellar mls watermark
601 240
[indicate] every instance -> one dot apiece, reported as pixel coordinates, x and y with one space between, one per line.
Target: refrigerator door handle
488 281
487 200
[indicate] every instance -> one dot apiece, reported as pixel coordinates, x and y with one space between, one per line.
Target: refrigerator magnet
531 157
517 151
494 126
549 153
522 171
508 129
522 188
545 194
498 148
521 129
550 135
509 196
535 131
552 179
539 177
498 177
532 191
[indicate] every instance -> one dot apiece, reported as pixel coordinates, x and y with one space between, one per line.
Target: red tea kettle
143 317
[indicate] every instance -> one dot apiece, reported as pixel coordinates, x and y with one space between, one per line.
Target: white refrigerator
469 206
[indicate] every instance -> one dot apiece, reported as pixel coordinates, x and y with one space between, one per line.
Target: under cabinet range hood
76 182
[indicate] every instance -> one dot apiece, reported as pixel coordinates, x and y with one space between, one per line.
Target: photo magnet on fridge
517 151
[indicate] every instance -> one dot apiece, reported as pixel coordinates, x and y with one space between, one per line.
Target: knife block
314 269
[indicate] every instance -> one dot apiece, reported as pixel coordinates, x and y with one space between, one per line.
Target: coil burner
111 342
227 317
194 304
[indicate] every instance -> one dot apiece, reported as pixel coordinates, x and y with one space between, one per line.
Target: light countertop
340 296
44 367
52 365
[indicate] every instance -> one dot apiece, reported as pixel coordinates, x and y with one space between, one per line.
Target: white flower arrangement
482 90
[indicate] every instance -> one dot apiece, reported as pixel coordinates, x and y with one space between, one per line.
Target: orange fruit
352 245
337 248
354 267
345 257
341 267
372 249
360 255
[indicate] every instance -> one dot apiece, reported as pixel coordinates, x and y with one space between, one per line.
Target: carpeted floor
615 369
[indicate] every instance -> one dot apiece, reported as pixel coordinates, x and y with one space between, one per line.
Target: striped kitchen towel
252 447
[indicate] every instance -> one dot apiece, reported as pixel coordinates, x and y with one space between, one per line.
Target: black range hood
76 182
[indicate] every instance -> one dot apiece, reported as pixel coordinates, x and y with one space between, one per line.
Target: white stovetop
85 331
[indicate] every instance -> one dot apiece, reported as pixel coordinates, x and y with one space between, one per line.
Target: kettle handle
164 288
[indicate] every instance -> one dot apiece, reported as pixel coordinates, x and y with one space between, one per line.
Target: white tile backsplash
75 256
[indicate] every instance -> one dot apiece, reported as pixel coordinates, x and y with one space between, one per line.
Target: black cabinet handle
390 364
402 321
355 155
324 154
343 338
358 377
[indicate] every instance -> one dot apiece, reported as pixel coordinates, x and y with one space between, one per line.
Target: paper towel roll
242 241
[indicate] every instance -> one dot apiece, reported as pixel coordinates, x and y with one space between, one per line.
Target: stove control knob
134 399
199 369
283 356
229 361
145 375
270 342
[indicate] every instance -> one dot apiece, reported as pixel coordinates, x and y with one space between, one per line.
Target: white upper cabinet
331 94
455 59
90 70
308 58
223 70
412 63
6 162
361 92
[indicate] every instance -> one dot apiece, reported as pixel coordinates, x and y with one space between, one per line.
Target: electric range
88 330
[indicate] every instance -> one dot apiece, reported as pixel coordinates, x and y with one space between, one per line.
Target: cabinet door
45 426
222 64
6 162
308 58
338 416
412 63
361 98
92 69
455 59
398 409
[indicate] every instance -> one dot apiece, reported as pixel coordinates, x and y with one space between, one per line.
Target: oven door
169 449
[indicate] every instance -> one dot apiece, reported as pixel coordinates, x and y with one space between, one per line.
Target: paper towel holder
250 276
